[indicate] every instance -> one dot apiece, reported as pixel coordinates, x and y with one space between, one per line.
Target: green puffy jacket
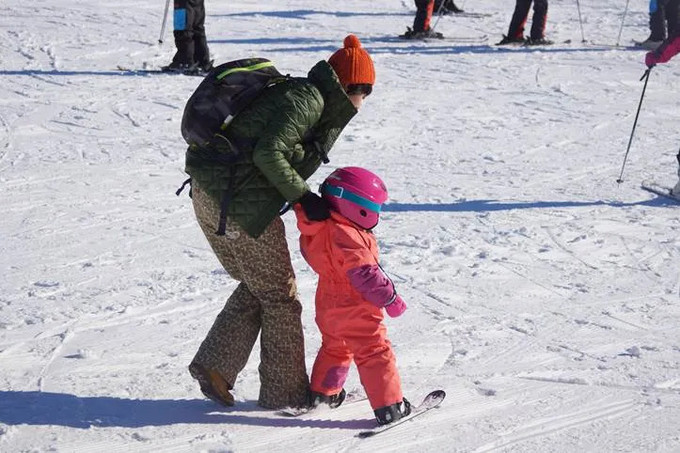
288 131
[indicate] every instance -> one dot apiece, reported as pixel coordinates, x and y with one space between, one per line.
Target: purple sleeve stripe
372 283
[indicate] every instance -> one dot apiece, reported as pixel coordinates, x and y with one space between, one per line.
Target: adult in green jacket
288 132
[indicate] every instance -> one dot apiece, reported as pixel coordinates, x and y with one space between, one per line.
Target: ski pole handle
645 76
165 19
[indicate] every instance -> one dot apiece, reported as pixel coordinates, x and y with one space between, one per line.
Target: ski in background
147 71
613 46
661 190
470 15
146 68
449 39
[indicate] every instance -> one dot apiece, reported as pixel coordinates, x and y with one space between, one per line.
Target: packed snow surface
543 296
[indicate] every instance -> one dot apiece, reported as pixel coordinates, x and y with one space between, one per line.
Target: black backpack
223 94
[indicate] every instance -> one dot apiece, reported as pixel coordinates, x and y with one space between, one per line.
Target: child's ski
298 411
431 401
660 190
294 411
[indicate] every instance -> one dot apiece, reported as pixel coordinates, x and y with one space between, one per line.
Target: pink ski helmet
356 193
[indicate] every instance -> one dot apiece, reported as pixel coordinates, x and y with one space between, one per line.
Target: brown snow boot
212 385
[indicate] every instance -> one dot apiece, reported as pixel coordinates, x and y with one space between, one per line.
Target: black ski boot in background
425 34
448 7
538 42
507 40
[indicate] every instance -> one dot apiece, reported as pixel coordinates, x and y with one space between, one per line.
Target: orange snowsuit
351 292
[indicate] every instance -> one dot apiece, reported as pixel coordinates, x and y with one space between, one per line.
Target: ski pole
578 7
165 19
623 19
646 77
440 10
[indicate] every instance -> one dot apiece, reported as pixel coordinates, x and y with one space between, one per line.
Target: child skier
351 293
664 20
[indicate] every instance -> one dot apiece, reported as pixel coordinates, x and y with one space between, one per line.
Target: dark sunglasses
361 88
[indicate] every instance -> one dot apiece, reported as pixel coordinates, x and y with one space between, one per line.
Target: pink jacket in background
666 51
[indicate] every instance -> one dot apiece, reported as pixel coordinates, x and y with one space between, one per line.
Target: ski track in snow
543 297
546 427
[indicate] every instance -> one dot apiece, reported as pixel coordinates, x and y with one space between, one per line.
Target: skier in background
519 18
189 31
424 11
667 50
351 294
421 23
663 22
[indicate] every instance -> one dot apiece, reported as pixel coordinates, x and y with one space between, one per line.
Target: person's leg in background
517 23
538 21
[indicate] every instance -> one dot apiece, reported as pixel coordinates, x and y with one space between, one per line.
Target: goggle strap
339 192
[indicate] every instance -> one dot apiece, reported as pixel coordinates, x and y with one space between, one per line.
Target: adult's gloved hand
396 308
315 207
651 59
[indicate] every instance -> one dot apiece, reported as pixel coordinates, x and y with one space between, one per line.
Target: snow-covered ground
543 296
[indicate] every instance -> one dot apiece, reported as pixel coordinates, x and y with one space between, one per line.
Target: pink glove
396 307
651 59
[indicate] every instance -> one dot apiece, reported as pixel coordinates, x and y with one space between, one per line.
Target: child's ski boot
392 413
316 399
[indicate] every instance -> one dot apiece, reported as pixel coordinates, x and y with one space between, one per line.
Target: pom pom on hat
351 41
352 63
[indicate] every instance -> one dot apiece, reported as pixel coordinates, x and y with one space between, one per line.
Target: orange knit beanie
353 64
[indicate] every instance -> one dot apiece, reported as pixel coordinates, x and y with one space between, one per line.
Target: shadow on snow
60 409
436 48
373 46
327 46
495 205
55 72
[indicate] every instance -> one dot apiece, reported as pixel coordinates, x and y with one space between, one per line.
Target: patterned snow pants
265 302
